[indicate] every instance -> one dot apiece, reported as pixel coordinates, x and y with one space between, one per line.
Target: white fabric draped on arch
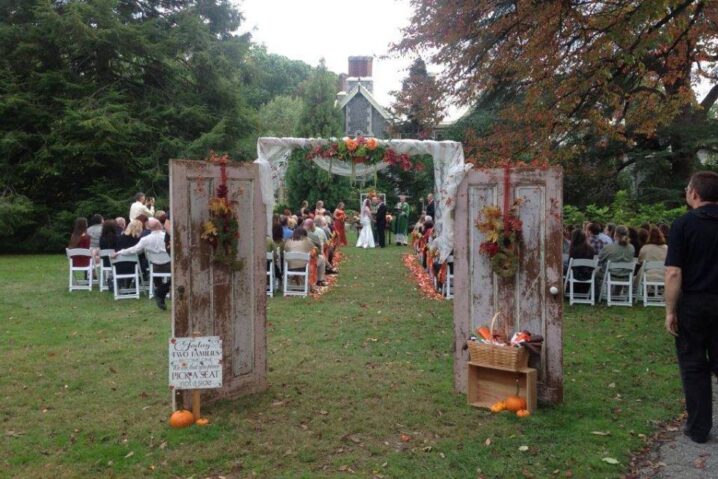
449 169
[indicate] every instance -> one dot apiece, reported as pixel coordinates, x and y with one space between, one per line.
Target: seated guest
320 223
161 216
643 236
120 224
316 235
94 230
129 238
633 235
620 251
292 223
655 249
143 219
286 230
595 237
80 239
300 243
153 246
608 233
581 249
665 230
108 240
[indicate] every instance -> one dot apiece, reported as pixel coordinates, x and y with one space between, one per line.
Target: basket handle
493 322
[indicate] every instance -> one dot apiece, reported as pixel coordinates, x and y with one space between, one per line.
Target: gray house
363 115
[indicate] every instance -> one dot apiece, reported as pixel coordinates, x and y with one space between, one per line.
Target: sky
309 30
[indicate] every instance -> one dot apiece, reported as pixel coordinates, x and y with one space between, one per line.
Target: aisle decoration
502 230
329 279
426 285
221 231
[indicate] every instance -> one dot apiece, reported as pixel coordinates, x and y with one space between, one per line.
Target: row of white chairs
296 282
126 285
617 285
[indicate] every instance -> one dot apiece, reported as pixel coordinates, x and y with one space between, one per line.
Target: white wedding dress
366 237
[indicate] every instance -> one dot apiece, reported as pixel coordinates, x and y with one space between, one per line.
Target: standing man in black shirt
692 299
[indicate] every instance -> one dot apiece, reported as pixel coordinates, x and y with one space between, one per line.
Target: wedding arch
364 157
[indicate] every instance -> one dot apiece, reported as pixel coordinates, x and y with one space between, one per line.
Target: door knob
553 290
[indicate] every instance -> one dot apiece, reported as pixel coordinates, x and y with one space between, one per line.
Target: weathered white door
526 299
212 299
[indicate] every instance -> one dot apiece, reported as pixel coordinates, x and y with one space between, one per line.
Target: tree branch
710 98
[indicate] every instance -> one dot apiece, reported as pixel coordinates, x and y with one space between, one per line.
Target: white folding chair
105 269
84 281
653 290
302 275
575 297
448 286
132 290
157 259
618 275
270 274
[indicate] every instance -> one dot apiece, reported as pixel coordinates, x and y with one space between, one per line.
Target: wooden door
211 299
526 299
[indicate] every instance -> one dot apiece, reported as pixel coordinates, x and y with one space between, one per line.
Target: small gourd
515 402
181 418
523 413
203 421
498 407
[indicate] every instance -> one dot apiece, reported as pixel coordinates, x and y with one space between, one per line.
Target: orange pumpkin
515 402
498 407
181 418
523 413
203 421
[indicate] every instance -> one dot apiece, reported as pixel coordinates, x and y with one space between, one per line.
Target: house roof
366 94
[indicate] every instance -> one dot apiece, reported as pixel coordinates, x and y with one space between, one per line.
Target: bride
366 237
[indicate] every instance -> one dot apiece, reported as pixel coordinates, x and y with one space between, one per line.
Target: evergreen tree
418 104
320 118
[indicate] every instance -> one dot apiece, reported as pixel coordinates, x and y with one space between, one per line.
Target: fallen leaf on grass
323 412
523 448
129 454
610 460
601 433
405 438
13 433
699 462
487 442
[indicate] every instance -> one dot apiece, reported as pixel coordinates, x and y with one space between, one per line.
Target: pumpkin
181 418
515 402
498 407
523 413
203 421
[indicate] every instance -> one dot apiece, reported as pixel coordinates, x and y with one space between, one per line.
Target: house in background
363 115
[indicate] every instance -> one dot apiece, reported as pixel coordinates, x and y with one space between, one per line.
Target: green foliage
319 119
16 212
280 116
623 210
96 98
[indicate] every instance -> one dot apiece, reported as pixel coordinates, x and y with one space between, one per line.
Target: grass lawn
85 388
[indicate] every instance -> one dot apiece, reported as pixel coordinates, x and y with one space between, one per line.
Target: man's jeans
697 349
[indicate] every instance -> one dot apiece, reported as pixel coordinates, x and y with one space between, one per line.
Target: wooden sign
195 363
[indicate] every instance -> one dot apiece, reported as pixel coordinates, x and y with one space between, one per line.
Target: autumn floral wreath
503 235
221 231
362 150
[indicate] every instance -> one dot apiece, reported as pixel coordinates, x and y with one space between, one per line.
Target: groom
380 221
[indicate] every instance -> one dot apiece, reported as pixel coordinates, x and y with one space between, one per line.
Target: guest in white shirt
142 206
153 245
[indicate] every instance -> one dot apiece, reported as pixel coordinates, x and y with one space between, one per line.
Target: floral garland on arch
363 150
503 237
221 231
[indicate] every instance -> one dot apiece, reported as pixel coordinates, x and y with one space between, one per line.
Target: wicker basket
508 357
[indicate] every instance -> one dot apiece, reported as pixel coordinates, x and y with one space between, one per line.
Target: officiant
401 221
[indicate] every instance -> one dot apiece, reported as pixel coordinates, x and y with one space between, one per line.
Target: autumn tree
418 105
608 79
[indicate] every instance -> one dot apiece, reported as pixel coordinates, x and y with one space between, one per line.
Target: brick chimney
360 67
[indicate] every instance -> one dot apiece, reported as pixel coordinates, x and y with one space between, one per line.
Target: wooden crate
489 384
